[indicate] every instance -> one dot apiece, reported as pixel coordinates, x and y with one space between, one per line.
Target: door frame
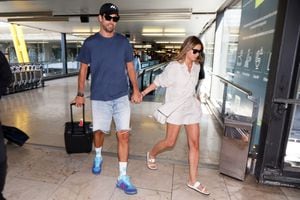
284 70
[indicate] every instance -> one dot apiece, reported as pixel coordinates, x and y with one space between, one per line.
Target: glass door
292 153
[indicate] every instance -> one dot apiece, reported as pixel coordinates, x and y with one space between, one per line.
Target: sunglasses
108 18
197 51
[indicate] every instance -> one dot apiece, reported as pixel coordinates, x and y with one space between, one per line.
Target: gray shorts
104 111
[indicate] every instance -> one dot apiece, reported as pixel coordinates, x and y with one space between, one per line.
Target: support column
64 56
19 43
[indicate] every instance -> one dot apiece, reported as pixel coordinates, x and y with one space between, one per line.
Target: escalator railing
147 75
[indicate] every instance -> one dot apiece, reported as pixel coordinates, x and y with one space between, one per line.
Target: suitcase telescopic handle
83 113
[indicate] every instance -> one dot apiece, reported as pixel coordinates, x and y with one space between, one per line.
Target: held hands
136 97
142 94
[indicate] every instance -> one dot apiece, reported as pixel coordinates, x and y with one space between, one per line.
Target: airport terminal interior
250 99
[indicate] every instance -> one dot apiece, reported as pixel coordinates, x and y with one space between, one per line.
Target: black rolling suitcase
78 135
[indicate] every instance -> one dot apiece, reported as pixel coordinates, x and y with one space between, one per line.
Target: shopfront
279 147
253 71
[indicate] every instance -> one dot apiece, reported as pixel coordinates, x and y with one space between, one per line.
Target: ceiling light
156 14
152 29
82 34
160 51
163 34
174 34
158 31
174 30
140 46
152 34
168 42
172 47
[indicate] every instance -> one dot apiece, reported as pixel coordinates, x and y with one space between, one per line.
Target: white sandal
151 164
195 187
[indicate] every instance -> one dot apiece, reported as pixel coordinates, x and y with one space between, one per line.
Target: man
5 79
110 57
136 61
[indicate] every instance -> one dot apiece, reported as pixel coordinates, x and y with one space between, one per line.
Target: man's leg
122 120
123 149
3 164
124 181
98 144
102 116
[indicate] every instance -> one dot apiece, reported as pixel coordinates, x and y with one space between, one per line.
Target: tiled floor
42 170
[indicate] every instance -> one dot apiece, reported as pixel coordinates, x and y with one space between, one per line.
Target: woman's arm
150 88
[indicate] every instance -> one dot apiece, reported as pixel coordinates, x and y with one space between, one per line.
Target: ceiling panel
187 15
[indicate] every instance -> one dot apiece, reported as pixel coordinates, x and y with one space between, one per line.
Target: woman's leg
193 134
168 142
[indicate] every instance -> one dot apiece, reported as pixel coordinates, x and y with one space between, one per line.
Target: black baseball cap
108 9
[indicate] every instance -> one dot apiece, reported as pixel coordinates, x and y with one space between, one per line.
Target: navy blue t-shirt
107 58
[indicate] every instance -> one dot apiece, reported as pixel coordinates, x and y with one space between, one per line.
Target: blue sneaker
125 184
97 165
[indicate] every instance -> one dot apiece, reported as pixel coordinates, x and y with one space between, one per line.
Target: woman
180 78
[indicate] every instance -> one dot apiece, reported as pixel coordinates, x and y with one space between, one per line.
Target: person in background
88 73
137 62
180 78
110 57
5 79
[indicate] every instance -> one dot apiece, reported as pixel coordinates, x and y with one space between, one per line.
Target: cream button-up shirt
179 84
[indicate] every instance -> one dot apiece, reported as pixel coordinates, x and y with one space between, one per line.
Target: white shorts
104 111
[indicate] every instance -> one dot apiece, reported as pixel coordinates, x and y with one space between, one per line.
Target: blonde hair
188 44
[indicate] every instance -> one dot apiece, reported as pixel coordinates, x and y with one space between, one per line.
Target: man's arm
136 95
79 99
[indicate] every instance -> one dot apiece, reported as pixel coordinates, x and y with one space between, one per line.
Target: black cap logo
108 9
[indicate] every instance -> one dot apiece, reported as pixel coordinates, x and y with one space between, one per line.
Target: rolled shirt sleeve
166 78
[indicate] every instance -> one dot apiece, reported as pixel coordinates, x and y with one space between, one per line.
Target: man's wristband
80 94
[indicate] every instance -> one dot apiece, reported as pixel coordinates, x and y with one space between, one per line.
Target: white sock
122 168
98 152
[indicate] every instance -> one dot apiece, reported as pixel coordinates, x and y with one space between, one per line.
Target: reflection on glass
225 50
74 44
292 154
43 47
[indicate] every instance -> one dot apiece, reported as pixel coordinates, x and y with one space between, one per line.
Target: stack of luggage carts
25 77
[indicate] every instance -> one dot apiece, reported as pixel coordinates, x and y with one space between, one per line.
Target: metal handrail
155 67
236 86
249 94
287 101
250 97
149 69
